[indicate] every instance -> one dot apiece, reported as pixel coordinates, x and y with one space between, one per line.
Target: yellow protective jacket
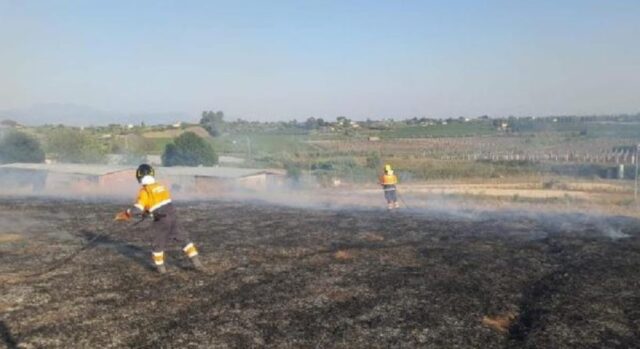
152 196
388 179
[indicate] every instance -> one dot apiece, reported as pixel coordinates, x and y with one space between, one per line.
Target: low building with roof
218 180
76 178
118 180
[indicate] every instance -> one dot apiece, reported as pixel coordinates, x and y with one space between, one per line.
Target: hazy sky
293 59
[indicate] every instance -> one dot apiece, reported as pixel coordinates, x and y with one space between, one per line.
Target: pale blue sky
269 60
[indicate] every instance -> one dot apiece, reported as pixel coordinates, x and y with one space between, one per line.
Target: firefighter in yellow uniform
388 182
154 200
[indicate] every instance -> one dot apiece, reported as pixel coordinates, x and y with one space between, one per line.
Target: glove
123 216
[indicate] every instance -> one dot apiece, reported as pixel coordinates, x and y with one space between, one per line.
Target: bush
213 122
75 146
20 147
293 171
189 150
374 161
323 165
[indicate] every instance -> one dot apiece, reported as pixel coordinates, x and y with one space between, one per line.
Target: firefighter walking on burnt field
154 200
388 181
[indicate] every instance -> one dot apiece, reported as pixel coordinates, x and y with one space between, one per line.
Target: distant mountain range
81 115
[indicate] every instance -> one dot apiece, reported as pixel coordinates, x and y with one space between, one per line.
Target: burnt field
300 278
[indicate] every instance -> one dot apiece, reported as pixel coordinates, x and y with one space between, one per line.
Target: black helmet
144 170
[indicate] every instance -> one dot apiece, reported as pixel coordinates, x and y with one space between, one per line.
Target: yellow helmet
388 169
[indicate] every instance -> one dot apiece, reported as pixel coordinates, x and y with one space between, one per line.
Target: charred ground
286 277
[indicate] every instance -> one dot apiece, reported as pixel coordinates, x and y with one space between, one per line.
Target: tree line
77 146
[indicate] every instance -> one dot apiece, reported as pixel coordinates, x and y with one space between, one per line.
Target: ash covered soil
300 278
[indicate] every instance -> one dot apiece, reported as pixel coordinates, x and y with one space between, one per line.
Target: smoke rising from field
16 226
10 223
614 233
553 218
437 207
350 200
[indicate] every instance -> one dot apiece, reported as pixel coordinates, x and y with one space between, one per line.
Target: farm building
218 180
119 180
74 178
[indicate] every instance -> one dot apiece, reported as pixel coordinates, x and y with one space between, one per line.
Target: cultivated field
333 278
